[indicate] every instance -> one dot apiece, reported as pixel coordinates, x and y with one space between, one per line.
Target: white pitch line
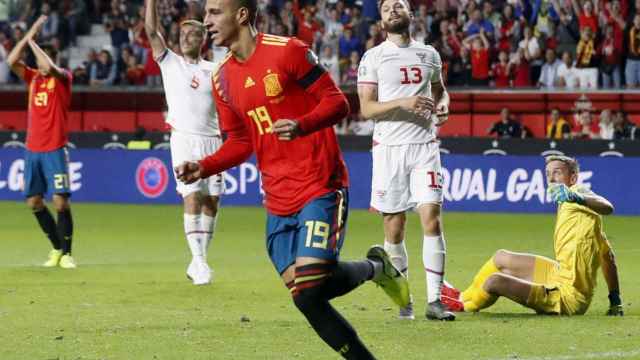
600 355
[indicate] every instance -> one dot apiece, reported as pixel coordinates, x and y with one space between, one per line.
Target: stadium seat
13 120
75 121
535 123
458 125
151 121
481 123
109 121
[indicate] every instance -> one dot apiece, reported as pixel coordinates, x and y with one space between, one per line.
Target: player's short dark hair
571 163
381 2
251 6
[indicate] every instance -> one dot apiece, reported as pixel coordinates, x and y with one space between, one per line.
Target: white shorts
405 176
190 147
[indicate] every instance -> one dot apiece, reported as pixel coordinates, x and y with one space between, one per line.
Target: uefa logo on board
152 177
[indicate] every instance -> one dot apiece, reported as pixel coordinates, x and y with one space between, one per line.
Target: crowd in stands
551 44
583 124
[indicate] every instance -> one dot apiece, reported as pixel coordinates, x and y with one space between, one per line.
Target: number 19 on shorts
317 234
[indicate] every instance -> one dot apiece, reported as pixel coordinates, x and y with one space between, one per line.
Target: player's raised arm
13 60
158 46
332 104
45 63
598 204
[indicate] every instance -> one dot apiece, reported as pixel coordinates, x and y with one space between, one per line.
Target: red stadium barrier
472 112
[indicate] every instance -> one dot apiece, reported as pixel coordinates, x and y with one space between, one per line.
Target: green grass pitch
129 298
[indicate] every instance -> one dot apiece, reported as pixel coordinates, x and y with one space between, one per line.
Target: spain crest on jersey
272 85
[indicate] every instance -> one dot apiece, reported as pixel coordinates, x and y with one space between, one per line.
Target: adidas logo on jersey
249 82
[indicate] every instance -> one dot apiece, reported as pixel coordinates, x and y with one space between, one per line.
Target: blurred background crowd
550 44
514 43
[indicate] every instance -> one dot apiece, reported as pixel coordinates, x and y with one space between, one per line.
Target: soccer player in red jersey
46 162
275 99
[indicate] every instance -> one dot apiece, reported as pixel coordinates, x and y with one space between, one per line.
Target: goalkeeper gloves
561 193
615 304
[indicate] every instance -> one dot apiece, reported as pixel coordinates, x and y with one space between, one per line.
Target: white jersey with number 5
400 72
187 87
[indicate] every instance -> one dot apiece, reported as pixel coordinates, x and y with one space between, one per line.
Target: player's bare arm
45 63
442 100
158 46
610 273
13 60
598 204
370 107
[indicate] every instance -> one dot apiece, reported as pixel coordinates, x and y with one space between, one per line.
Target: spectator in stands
549 72
460 73
585 129
478 46
509 30
50 27
329 60
359 24
308 26
521 70
104 71
81 73
614 17
62 55
567 31
501 71
332 25
567 73
375 36
116 25
350 73
632 70
73 13
587 60
587 15
4 67
506 127
135 72
610 60
476 23
558 127
532 52
348 43
606 125
624 129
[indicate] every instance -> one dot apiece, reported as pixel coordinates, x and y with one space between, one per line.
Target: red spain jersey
280 80
49 102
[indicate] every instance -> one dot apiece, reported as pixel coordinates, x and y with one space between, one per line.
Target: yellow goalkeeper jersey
579 242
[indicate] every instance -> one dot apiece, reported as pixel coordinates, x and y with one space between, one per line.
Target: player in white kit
400 86
194 131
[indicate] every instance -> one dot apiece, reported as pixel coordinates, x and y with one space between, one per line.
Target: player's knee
493 283
501 258
35 203
192 203
210 205
61 202
306 300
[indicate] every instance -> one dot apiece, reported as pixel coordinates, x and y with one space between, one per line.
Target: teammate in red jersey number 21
274 98
46 158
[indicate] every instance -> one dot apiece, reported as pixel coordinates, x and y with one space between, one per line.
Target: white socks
193 231
398 255
433 253
208 227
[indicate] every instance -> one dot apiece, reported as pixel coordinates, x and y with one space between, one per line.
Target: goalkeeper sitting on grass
564 286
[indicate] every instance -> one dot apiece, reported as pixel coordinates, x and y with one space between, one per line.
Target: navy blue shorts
316 231
46 172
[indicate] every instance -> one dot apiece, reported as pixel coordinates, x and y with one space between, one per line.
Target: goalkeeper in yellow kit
562 286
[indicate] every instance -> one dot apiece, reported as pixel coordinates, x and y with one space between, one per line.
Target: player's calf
310 295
